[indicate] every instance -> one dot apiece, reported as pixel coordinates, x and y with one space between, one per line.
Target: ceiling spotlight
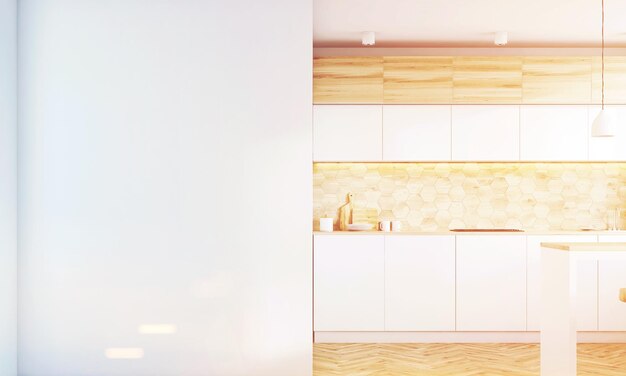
502 38
368 38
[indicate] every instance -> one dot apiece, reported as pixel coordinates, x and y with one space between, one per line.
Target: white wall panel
165 165
8 188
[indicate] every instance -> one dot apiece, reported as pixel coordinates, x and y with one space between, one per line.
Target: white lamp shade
603 125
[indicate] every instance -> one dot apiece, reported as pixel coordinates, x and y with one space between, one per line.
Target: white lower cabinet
612 277
445 283
419 283
587 283
349 283
491 283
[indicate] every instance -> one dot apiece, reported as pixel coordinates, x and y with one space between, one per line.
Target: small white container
396 226
384 226
326 224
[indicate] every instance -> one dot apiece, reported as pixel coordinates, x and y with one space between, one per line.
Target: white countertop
521 233
587 247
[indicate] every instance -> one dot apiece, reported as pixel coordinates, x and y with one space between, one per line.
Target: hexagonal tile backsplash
441 196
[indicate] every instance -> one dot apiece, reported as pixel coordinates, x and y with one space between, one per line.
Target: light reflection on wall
157 329
124 353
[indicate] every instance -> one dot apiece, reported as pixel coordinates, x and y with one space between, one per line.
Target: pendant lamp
603 124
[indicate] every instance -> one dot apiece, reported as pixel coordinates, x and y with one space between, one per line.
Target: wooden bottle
345 214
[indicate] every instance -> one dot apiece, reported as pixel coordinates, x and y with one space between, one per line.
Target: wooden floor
456 359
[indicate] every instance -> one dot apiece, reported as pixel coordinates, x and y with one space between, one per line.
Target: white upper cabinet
554 133
485 133
491 283
419 283
347 133
349 283
416 133
609 148
587 281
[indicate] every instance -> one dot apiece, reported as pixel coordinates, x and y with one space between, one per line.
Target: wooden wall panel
487 79
348 80
614 79
417 79
556 80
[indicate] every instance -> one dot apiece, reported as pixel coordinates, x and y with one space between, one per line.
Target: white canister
326 224
396 226
384 226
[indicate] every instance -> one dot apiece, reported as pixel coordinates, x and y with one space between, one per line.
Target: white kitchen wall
8 188
165 174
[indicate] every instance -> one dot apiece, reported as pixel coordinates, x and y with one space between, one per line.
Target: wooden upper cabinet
487 79
346 80
614 79
468 80
417 79
556 80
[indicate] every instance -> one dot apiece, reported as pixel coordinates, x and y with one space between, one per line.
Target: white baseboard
457 337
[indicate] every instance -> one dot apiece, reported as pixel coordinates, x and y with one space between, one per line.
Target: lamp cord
602 54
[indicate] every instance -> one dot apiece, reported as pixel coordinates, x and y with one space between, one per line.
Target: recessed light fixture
368 38
501 39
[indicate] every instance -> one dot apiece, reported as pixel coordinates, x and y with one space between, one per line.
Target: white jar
326 224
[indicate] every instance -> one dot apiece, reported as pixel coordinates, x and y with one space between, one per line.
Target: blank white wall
8 188
165 176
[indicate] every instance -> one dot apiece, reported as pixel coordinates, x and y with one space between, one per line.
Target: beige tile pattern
441 196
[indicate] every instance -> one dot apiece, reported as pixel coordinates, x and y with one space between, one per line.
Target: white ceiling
468 23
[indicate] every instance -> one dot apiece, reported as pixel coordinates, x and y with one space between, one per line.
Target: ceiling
468 23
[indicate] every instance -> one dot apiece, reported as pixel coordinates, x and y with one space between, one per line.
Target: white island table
558 301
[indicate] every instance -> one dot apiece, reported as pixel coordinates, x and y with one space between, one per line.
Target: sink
486 230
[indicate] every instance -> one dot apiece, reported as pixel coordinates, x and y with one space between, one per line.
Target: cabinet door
491 283
348 80
612 277
614 79
556 79
349 283
416 133
587 283
417 80
419 283
608 148
347 133
485 133
554 133
487 79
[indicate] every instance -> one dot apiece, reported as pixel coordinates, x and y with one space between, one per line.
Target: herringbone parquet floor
362 359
